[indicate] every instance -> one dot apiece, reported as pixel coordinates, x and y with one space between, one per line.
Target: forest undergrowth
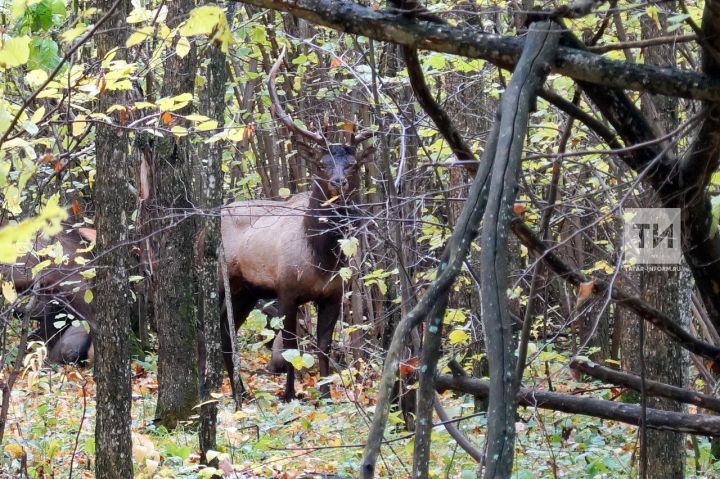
51 424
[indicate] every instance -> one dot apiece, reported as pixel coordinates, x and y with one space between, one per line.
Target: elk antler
278 110
358 138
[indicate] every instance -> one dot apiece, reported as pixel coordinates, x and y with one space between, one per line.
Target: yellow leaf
178 131
235 134
458 336
14 450
139 36
19 7
197 117
345 273
207 125
15 239
453 315
15 52
8 291
73 33
35 78
139 15
208 20
175 102
88 296
284 192
40 266
88 273
349 246
38 115
78 126
183 47
652 12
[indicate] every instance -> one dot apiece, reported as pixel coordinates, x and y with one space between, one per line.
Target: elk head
335 166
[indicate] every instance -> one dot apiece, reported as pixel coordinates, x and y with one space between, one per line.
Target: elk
289 250
59 293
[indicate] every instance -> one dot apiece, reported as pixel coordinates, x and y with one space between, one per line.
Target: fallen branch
614 411
651 388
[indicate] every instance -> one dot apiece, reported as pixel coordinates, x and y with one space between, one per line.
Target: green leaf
715 202
436 61
177 450
43 54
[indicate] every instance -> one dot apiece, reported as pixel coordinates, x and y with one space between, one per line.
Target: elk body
58 294
289 250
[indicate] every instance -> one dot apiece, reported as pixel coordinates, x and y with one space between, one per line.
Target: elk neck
325 224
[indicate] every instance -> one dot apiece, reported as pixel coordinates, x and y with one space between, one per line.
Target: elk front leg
328 313
288 309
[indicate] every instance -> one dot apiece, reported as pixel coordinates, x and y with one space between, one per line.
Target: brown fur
56 289
289 250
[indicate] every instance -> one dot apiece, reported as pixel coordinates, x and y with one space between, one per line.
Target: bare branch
279 111
581 65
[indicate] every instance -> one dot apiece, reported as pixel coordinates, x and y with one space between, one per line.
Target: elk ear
366 155
309 152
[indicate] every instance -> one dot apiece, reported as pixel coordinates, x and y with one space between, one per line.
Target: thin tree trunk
114 206
665 291
209 177
175 285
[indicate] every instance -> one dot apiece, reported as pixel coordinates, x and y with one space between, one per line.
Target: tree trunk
113 301
175 285
664 290
209 176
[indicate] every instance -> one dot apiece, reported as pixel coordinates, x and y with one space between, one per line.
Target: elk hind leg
288 308
328 313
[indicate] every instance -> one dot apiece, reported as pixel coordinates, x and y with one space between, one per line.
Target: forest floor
51 421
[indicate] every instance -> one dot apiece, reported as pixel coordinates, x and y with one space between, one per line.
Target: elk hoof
288 396
324 391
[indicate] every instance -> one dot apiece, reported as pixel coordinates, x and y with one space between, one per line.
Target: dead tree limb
651 388
429 34
529 74
628 413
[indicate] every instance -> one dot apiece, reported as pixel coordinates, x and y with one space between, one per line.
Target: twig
57 69
647 42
